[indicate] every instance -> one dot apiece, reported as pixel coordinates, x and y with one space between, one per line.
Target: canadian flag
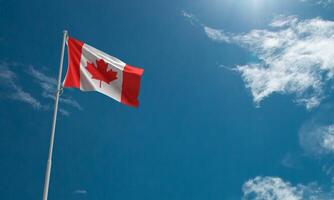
90 69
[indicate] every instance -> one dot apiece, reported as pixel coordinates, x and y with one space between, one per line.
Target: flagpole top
65 33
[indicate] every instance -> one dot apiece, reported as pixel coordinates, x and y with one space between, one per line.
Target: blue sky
236 101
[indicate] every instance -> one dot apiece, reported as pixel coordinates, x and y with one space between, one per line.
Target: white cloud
192 18
316 136
324 3
49 86
282 21
81 191
64 112
270 188
71 102
186 14
291 161
274 188
328 138
9 82
10 88
217 35
295 57
317 139
26 97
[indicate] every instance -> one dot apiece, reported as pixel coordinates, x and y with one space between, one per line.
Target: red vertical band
72 78
131 85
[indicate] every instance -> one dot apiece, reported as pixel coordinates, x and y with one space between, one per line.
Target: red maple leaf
101 72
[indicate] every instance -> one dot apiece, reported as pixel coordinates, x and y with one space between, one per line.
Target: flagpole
49 162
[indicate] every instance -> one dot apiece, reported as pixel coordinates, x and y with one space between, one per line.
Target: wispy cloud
190 17
294 57
49 86
217 35
291 161
270 188
274 188
324 3
327 138
316 136
80 191
10 88
64 112
8 81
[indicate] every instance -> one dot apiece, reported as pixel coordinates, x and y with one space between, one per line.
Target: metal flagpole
49 163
